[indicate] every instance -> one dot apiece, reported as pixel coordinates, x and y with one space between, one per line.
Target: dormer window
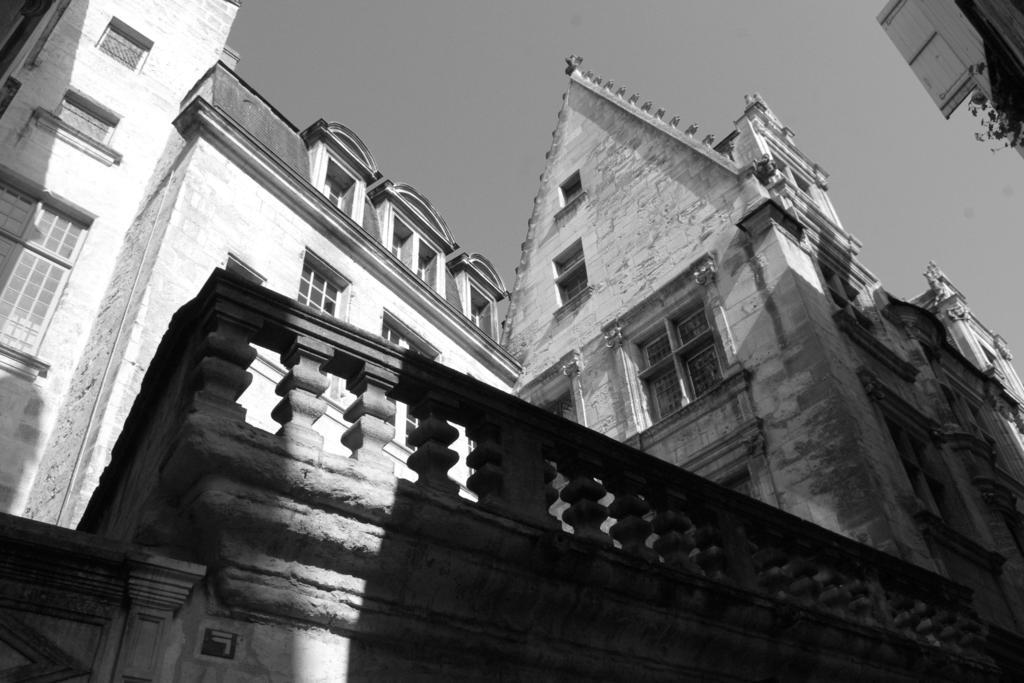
340 188
481 311
427 266
571 189
401 242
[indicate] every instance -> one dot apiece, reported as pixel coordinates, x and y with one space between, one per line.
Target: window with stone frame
321 288
38 247
571 273
570 189
562 405
680 362
928 486
124 44
87 117
837 287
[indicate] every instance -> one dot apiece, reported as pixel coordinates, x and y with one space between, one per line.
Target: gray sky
459 98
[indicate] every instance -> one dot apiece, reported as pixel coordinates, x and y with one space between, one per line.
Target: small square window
563 406
87 118
320 289
571 189
124 44
571 274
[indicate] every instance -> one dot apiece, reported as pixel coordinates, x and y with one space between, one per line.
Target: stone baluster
508 474
708 552
371 414
433 458
802 570
834 594
629 509
221 374
769 563
301 391
583 493
487 480
674 529
861 604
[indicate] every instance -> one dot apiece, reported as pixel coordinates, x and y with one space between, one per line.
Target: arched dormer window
480 289
340 166
413 231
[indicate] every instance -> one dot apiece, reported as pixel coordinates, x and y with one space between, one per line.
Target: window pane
15 209
54 233
693 327
574 284
666 394
703 370
656 350
121 48
316 291
562 406
26 300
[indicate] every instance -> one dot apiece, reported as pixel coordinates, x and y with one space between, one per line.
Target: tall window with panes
571 274
37 249
318 290
680 363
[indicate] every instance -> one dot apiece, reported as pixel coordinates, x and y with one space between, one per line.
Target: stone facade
724 324
217 177
315 470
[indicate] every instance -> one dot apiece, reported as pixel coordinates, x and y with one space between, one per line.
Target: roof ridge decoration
648 112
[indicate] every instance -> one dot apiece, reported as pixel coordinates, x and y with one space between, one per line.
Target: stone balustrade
574 487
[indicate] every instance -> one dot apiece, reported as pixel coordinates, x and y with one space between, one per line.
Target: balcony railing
573 485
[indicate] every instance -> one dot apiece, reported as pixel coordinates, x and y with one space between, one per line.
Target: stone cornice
200 118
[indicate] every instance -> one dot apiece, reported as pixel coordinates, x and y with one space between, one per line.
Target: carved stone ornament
572 63
959 311
613 336
1001 348
936 281
765 169
705 271
571 367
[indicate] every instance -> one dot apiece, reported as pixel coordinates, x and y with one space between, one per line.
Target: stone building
702 302
133 164
739 442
